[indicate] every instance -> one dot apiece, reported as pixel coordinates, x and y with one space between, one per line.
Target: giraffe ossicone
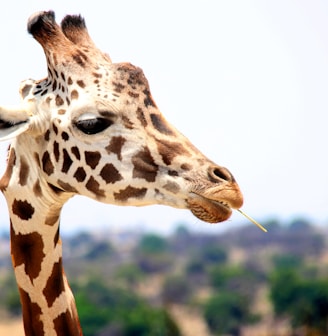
91 127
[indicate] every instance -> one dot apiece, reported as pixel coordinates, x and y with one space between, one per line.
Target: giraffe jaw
208 210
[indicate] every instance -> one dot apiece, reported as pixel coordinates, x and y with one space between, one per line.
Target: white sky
246 81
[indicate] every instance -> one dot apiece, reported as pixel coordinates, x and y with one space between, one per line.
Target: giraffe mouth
208 210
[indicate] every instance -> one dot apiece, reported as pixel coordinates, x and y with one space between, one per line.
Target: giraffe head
92 128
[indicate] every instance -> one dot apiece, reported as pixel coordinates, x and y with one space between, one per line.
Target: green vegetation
133 286
110 308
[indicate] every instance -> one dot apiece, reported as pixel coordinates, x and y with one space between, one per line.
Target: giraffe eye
93 125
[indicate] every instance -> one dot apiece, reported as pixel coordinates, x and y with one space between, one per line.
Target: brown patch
55 128
97 75
56 237
47 165
148 101
11 161
54 85
74 95
65 136
80 83
92 159
133 94
37 159
115 146
161 124
69 81
169 150
31 314
127 122
27 250
25 90
144 166
65 324
24 171
80 58
172 187
37 189
75 151
59 100
47 135
66 187
67 162
130 192
141 117
55 284
110 174
56 151
186 166
93 186
61 111
80 174
118 87
52 220
23 209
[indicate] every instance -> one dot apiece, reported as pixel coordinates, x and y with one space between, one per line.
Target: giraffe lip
208 210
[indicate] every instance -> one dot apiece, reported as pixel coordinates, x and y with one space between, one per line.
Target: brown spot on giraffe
47 165
130 192
24 171
115 146
110 174
160 124
23 209
66 324
144 166
32 312
94 186
55 283
52 220
37 189
80 174
80 83
66 187
169 150
56 151
92 159
141 117
76 152
74 95
67 161
28 251
59 100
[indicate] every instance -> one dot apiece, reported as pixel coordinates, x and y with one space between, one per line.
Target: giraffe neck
48 305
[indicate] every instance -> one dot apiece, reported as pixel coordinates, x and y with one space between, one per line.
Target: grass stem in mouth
253 221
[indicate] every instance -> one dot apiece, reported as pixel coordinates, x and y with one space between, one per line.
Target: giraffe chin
208 210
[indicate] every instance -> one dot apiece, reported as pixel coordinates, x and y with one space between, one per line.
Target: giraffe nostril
219 174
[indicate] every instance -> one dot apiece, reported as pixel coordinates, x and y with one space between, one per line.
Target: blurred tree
304 301
152 254
226 312
118 311
9 295
176 289
236 279
98 250
129 273
151 243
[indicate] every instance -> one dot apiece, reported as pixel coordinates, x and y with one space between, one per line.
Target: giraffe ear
13 121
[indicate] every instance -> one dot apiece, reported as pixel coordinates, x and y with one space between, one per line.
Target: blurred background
247 82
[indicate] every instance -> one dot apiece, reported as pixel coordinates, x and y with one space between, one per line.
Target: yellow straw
253 221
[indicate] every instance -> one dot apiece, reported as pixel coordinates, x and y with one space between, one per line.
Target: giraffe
91 127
